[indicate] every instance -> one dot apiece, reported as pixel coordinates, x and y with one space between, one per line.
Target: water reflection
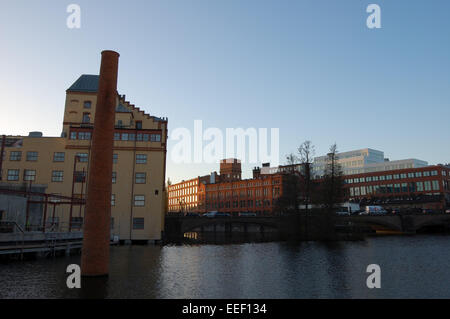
411 267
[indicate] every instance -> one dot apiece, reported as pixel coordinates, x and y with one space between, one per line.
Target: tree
306 152
332 185
289 200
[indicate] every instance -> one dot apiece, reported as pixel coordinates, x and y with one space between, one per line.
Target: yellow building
140 141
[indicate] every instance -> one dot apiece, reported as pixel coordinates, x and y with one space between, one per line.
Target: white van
347 209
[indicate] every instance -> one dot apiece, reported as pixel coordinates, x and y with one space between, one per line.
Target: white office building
365 161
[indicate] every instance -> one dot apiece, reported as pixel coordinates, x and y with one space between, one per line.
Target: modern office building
61 164
365 161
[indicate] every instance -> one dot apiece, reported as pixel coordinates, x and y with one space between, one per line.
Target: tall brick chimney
96 239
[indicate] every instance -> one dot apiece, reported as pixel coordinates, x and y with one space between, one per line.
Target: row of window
61 156
239 204
140 137
58 176
32 156
77 222
392 176
139 200
395 188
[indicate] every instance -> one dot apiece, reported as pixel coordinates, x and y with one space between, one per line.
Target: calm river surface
411 267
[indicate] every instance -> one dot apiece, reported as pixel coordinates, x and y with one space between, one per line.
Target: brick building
227 192
423 187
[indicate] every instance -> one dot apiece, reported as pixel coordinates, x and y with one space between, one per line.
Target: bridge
298 226
176 227
399 223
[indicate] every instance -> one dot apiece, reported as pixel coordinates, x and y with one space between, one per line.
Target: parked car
375 210
247 214
215 214
428 211
447 211
192 215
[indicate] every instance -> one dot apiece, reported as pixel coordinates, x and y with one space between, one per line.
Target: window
57 176
389 188
139 200
73 135
140 178
434 173
86 117
113 199
29 175
80 177
59 156
404 187
141 158
427 186
77 222
435 185
32 156
419 186
388 177
139 125
13 175
114 177
82 157
15 156
84 135
427 173
115 158
418 174
87 104
138 223
124 136
410 175
396 176
116 136
155 137
396 188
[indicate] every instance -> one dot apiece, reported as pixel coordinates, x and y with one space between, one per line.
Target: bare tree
333 182
306 153
289 200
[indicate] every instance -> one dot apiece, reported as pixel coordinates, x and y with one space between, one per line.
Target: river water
411 267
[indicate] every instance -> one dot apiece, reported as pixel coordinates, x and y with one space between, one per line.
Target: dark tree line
309 195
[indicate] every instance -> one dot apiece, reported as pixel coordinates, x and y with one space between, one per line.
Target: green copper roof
85 83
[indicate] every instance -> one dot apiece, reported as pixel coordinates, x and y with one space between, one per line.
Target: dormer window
139 125
87 104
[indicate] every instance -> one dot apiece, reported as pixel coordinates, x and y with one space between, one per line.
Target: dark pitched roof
85 83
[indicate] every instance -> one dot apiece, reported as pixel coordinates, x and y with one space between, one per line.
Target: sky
310 68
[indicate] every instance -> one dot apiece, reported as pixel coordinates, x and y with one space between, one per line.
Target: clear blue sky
311 68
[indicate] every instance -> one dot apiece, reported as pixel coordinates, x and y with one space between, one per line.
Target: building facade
227 192
365 161
424 187
61 164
